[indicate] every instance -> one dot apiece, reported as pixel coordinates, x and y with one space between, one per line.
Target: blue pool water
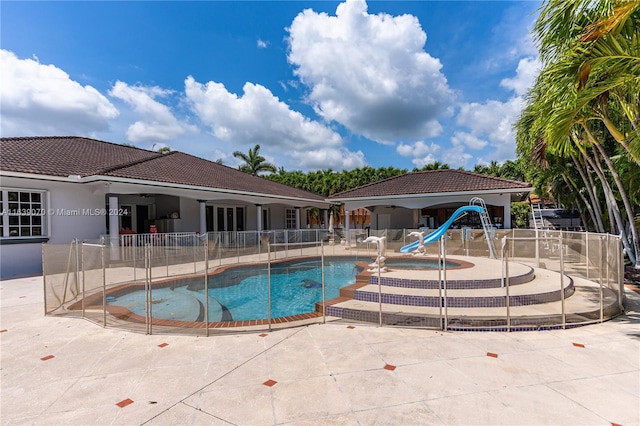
241 293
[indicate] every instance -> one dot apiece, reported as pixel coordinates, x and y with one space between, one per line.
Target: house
427 199
55 189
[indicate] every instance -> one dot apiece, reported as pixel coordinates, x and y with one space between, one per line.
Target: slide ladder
489 230
539 225
538 220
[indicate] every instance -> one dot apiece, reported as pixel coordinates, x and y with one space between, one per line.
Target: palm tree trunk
585 202
593 205
611 203
594 188
625 201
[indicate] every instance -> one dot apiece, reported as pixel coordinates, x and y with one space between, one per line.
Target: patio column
114 226
203 216
297 217
506 224
346 228
259 217
326 218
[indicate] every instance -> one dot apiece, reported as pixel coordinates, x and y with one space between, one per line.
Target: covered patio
427 199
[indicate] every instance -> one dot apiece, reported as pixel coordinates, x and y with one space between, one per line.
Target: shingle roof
64 156
431 182
178 167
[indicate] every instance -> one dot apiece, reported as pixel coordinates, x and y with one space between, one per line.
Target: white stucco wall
73 211
20 259
251 221
189 215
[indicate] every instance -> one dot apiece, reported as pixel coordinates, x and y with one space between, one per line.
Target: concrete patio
65 371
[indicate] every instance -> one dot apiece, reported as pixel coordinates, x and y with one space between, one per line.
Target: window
23 213
290 219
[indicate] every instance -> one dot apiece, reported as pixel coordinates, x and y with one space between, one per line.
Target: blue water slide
435 235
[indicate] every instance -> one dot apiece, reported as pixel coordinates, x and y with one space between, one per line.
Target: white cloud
259 117
370 72
422 153
528 70
492 120
416 149
420 162
469 140
158 123
491 123
329 158
457 156
262 44
38 99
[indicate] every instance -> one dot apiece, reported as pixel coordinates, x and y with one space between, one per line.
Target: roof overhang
436 194
113 184
421 200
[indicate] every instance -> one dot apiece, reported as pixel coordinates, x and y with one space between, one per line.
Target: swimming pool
241 293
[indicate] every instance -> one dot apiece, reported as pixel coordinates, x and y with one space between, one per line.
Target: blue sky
317 84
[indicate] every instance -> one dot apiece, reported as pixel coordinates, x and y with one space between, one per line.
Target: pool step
470 314
545 287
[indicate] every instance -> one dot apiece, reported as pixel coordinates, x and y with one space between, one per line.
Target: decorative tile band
478 324
467 301
453 284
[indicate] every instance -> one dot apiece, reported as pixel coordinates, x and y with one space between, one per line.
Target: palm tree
594 48
254 163
586 97
436 165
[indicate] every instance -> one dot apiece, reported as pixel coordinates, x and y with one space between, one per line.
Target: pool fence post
195 253
537 245
135 249
77 274
601 278
206 283
620 283
166 257
104 286
83 283
66 277
147 273
380 263
608 261
505 261
586 248
564 313
440 299
151 289
286 243
444 281
235 240
324 300
269 284
44 277
604 258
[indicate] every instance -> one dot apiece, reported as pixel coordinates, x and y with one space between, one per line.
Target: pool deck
66 371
